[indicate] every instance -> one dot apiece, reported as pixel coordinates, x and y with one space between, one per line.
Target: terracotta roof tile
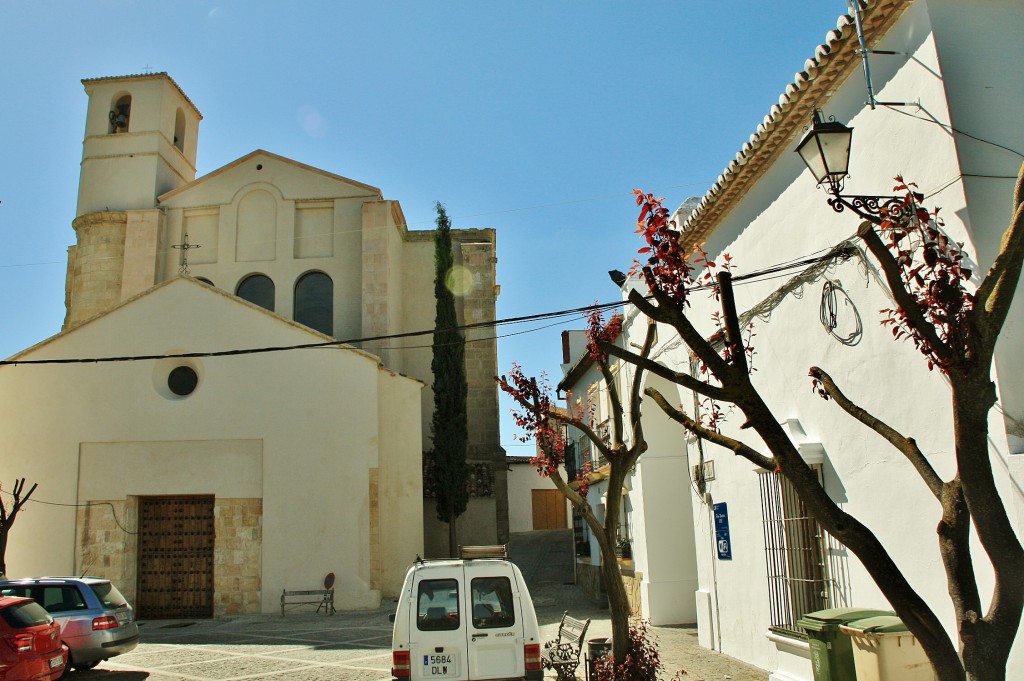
833 60
147 76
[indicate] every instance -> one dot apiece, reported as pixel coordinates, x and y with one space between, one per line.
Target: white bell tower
141 135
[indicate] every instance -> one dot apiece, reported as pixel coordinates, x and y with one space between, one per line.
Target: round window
182 380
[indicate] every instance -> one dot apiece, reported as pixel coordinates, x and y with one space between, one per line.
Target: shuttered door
548 509
175 557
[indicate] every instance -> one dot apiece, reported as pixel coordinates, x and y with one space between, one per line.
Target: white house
656 525
292 464
536 504
945 113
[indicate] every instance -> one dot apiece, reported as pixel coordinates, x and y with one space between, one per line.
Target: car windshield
26 614
108 594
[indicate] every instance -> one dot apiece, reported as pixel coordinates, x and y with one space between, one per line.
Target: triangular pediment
295 181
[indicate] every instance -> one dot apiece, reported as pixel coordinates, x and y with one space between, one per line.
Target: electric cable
775 269
949 127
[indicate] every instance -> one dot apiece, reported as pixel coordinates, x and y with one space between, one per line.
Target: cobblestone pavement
356 646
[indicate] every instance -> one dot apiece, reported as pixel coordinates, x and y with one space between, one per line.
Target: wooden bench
324 598
563 654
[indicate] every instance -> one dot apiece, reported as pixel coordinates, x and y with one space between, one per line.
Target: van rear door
437 646
494 622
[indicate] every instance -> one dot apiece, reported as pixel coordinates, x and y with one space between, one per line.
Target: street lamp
825 149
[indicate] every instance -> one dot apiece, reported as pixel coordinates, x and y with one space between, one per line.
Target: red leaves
818 386
931 269
598 332
535 417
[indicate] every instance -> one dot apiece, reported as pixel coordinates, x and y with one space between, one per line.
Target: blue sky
536 119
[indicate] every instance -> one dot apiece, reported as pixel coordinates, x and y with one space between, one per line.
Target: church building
255 407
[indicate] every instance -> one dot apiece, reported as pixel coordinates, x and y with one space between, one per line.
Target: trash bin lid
830 619
881 624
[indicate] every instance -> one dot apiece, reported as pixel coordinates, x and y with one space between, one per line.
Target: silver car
96 622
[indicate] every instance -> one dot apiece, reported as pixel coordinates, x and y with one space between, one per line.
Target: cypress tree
448 366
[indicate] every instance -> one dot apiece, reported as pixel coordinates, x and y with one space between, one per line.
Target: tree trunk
985 642
453 537
618 604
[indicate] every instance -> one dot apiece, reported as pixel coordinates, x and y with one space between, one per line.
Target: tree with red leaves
956 330
538 415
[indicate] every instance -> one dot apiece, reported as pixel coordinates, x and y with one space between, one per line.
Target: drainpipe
717 629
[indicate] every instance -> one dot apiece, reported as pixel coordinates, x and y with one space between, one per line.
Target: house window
314 302
795 555
257 289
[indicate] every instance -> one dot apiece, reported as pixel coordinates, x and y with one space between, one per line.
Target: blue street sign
721 511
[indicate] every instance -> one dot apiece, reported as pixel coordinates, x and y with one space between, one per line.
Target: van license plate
56 661
440 666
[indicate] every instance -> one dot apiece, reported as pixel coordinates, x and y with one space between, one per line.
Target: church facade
263 426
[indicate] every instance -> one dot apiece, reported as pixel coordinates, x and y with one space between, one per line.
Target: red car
31 648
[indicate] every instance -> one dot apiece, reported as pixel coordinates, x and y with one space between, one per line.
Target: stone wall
237 583
107 542
95 271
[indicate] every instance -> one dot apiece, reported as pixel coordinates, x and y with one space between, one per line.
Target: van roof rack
495 551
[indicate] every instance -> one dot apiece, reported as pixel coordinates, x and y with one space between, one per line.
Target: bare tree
7 518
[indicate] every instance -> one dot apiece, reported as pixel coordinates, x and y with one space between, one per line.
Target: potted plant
623 548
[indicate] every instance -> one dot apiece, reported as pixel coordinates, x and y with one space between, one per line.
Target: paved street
357 646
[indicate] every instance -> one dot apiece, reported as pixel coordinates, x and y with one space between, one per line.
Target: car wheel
84 666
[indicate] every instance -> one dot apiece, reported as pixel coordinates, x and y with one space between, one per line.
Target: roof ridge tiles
831 62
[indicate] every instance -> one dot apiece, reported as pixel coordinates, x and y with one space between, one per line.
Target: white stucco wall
662 519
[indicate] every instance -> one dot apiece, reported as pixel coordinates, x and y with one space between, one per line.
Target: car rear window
26 614
438 608
108 594
492 603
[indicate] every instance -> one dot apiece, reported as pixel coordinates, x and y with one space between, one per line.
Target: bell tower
141 136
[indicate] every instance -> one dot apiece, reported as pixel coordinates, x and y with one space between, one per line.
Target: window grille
802 575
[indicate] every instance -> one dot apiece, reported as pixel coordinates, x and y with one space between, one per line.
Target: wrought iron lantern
825 149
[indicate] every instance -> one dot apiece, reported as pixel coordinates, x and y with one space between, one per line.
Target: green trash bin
831 650
885 650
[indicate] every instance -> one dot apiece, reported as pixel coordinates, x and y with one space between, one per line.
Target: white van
466 619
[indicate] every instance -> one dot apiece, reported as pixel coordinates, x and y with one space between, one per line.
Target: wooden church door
176 540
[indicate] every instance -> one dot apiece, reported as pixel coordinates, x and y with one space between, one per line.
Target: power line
950 128
410 334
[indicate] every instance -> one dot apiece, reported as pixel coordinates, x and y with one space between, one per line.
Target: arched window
257 289
120 114
314 302
179 130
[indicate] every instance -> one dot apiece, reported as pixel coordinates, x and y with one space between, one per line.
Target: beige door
548 509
